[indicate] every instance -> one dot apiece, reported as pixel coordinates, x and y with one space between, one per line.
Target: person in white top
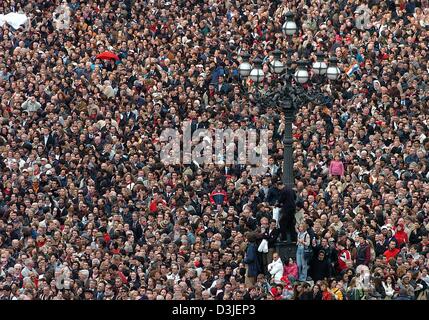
388 286
275 268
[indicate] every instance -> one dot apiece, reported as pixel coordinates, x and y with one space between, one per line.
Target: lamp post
291 90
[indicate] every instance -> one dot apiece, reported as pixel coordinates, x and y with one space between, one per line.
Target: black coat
288 198
320 270
49 143
363 255
416 236
137 230
306 296
331 254
288 202
317 296
273 195
126 117
272 237
380 249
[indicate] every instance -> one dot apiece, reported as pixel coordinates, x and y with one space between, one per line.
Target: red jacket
391 254
219 197
153 206
401 236
343 256
106 237
326 295
291 270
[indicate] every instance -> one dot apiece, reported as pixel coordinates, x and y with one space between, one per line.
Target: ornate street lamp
301 74
333 72
245 67
257 74
289 27
276 65
292 88
320 66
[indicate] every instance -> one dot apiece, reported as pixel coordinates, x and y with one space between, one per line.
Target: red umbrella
106 55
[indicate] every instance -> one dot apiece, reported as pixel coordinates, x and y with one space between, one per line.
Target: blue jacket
219 71
251 260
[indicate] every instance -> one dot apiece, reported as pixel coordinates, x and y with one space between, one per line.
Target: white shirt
275 268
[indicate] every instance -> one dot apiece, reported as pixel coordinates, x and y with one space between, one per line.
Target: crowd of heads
88 210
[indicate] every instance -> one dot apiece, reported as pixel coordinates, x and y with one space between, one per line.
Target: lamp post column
288 176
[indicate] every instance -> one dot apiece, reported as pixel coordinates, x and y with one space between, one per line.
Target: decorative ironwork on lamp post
289 91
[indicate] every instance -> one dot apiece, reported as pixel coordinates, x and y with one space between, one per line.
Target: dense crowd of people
89 211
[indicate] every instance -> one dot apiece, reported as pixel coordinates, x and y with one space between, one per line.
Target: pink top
291 270
336 168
